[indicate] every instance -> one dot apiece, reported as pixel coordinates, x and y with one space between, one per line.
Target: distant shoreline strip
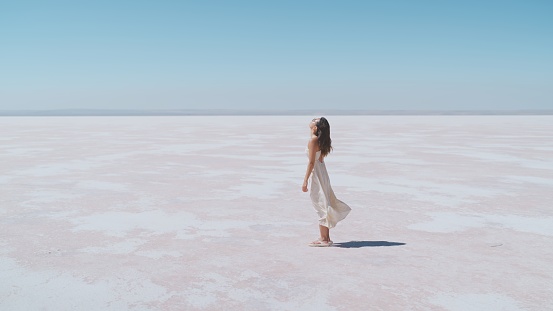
225 112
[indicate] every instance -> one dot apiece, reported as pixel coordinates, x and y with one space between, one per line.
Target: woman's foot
321 243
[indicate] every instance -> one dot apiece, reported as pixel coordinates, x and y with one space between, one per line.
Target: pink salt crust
206 213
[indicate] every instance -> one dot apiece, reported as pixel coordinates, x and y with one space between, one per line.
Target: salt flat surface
206 213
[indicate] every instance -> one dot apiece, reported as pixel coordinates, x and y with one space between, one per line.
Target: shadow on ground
358 244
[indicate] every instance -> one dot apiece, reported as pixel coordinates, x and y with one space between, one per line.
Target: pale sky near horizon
374 55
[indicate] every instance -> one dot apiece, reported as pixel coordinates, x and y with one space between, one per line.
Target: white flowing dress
328 207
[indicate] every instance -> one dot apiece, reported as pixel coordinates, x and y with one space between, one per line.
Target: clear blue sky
301 54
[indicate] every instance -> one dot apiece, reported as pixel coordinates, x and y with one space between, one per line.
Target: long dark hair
323 134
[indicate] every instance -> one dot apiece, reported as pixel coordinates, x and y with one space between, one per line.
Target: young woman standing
328 207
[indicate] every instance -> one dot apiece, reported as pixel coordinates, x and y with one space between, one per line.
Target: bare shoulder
314 143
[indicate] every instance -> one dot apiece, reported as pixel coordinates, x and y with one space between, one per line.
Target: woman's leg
325 233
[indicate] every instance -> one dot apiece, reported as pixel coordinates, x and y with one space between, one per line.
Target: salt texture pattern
207 213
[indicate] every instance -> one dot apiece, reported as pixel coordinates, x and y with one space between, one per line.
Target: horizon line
268 112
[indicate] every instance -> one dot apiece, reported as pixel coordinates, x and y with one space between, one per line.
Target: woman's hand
304 187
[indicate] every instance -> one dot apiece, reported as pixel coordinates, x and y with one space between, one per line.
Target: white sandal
320 243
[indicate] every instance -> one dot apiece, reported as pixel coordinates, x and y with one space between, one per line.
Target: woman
329 209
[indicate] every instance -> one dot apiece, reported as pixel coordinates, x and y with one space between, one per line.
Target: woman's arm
313 145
